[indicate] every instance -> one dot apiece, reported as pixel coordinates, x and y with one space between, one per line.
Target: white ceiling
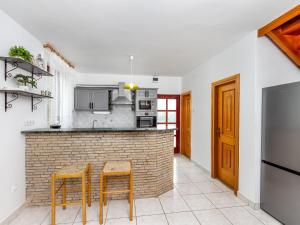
167 37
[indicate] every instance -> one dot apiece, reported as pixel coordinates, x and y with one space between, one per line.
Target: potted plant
25 81
20 52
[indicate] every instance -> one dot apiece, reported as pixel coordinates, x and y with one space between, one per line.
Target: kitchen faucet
94 121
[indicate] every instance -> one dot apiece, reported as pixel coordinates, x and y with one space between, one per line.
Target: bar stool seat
70 172
116 168
75 170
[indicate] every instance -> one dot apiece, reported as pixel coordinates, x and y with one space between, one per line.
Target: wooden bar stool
111 169
80 171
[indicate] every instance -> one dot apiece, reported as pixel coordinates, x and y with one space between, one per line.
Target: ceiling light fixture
131 85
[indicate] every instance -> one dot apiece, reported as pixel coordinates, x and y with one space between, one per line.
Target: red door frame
177 97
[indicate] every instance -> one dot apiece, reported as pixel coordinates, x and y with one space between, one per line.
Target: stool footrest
116 192
69 203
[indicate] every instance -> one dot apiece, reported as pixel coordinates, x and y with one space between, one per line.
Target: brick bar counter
151 152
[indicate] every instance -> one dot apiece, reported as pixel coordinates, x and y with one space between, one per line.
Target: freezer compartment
280 194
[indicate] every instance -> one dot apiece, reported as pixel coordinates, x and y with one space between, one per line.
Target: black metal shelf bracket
8 104
7 73
34 105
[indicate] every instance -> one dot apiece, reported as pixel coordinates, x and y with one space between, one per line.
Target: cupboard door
82 99
100 100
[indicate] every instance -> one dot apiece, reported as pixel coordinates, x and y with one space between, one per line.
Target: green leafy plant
25 80
20 52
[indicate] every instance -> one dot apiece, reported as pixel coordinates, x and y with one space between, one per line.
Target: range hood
122 98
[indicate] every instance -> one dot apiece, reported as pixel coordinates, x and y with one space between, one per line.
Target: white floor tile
119 209
181 179
198 202
92 213
171 193
148 206
262 216
63 216
197 177
152 220
240 216
182 218
187 189
121 221
222 186
174 204
211 217
208 187
87 223
31 216
225 199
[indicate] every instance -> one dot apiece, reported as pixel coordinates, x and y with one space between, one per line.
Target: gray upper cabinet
91 99
100 100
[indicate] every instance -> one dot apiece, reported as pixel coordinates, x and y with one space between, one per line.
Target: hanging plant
19 51
26 80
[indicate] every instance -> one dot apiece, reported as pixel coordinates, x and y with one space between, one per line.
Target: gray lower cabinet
87 99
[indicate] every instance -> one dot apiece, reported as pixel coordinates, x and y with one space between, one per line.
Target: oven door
146 121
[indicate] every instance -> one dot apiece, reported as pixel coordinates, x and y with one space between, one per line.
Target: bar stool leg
53 200
131 196
101 198
64 194
83 198
105 189
90 186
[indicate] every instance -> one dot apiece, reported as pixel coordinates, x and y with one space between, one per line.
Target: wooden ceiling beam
54 50
279 21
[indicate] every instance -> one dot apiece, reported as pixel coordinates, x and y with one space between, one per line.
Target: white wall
20 117
12 153
237 59
166 84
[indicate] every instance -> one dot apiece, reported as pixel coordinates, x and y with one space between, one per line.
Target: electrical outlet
29 123
14 188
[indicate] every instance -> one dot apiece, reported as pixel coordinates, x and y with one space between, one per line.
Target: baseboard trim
201 167
253 205
14 215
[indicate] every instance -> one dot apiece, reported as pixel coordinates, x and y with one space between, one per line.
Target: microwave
146 105
146 121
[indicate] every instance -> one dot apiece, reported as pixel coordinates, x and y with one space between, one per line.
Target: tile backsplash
121 116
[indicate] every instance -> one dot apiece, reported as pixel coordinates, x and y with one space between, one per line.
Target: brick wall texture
151 153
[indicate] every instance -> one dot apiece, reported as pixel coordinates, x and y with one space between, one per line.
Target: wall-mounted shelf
35 98
22 64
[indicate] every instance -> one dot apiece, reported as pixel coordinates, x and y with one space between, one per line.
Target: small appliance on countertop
55 126
146 108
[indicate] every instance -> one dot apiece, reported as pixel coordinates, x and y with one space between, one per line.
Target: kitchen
151 112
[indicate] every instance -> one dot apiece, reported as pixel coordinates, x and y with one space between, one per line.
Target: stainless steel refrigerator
280 164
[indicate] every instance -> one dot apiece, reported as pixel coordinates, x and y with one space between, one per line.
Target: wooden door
186 125
225 131
168 116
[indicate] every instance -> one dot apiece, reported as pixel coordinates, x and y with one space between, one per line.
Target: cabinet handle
92 105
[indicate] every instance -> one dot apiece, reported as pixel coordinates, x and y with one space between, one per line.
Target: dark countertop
90 130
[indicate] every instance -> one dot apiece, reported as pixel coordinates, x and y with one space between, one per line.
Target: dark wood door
226 134
186 125
168 111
